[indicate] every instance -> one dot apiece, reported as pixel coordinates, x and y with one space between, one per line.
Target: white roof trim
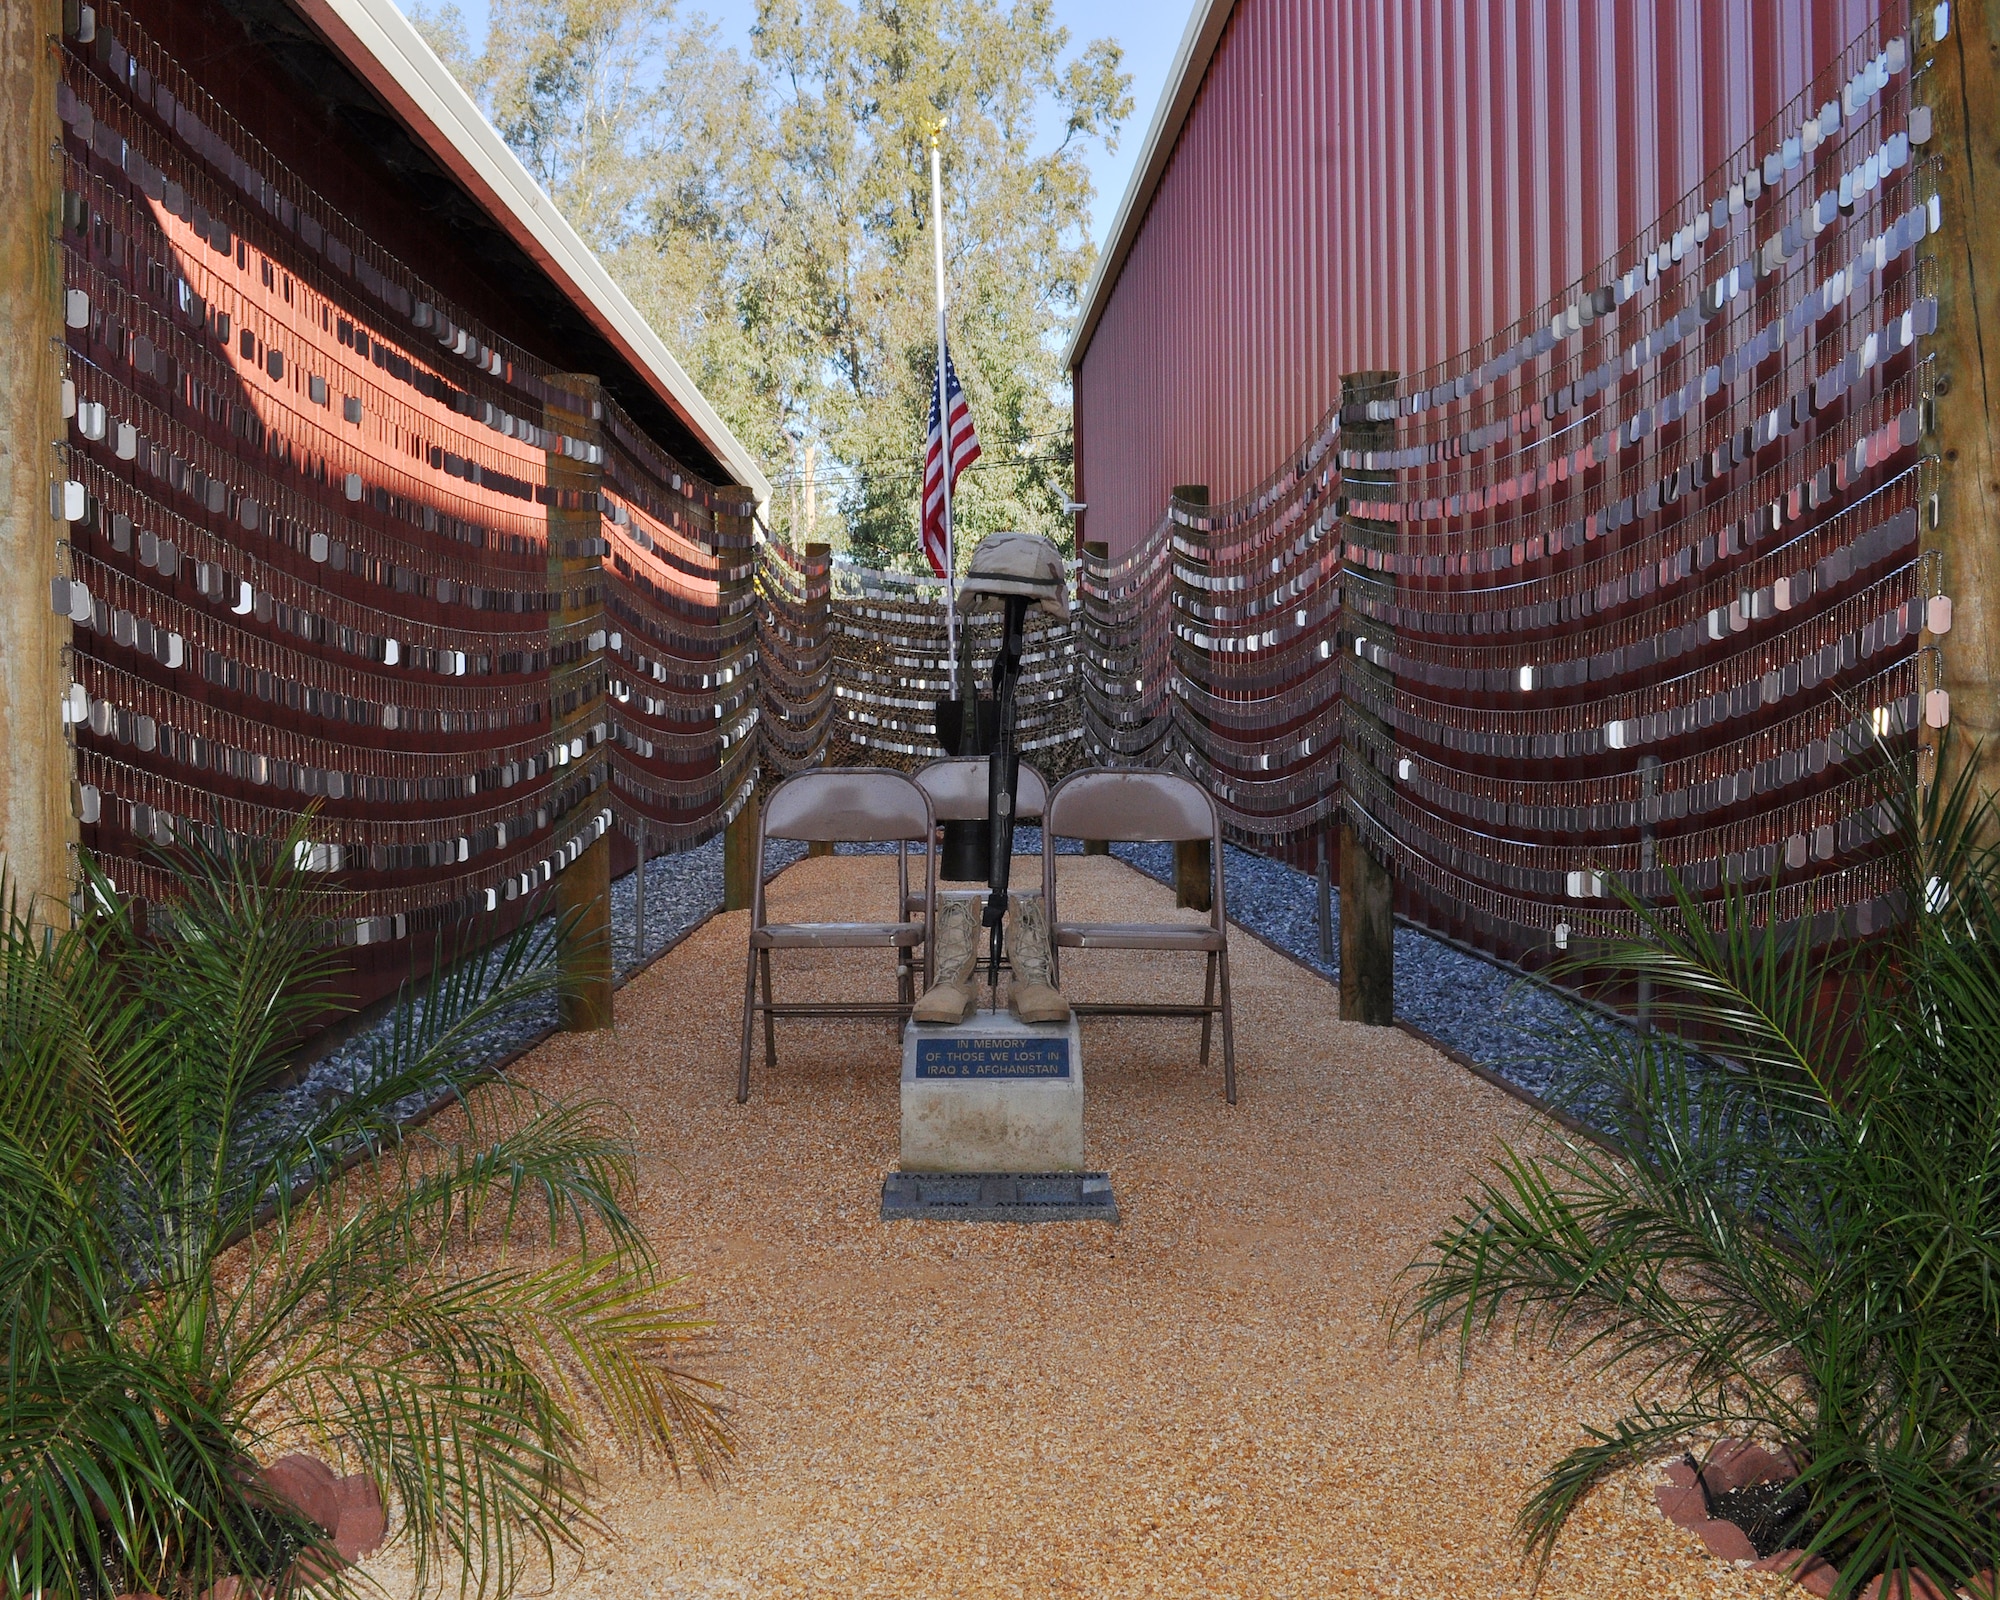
1184 80
378 41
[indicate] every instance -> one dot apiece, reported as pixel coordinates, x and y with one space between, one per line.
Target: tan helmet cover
1016 563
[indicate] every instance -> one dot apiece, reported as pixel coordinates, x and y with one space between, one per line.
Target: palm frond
188 1278
1796 1224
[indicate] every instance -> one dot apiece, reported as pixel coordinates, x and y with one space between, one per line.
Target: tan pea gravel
1202 1401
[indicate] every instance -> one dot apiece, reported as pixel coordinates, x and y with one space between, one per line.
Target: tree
860 93
773 220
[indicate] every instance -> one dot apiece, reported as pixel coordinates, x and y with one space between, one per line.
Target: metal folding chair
1131 806
840 805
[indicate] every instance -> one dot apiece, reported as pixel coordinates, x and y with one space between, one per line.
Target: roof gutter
378 42
1184 81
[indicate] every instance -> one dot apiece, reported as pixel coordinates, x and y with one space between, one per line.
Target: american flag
964 451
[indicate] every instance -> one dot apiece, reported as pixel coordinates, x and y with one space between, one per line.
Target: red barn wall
1370 184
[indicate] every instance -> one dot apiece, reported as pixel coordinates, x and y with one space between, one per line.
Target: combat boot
955 989
1029 992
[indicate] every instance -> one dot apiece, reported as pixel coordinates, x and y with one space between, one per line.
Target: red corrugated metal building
1337 185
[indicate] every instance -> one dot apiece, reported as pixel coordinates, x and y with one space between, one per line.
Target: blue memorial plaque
993 1058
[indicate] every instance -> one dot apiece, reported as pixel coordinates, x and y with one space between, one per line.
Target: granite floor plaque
998 1197
992 1094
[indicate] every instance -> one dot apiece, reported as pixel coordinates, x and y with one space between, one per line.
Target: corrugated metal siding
1383 183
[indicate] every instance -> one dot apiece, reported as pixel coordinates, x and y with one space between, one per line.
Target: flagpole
944 423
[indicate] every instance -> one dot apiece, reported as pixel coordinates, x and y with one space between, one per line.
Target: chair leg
770 1028
1228 1031
1208 1001
749 1024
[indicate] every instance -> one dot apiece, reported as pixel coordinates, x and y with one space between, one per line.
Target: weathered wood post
822 619
578 638
1367 881
738 568
639 897
37 827
1192 886
1322 896
1099 550
1962 90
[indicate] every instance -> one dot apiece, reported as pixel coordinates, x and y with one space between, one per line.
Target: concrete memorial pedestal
993 1094
993 1124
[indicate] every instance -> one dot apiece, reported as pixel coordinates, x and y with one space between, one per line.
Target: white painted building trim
379 43
1184 80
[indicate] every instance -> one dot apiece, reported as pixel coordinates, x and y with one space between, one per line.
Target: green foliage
772 220
1798 1237
193 1284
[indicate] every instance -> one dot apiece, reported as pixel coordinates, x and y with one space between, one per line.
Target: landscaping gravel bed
682 891
1506 1022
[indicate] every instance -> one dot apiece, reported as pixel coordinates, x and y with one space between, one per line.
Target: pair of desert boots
955 990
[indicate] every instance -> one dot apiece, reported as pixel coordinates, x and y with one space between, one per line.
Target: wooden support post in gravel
739 843
639 897
37 827
1192 885
1323 896
739 858
1097 550
1963 90
822 619
577 699
1367 884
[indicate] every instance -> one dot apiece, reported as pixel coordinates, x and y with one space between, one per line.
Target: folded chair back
852 805
957 787
842 805
1135 806
1132 807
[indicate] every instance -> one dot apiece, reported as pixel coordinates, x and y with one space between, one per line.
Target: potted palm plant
197 1285
1790 1233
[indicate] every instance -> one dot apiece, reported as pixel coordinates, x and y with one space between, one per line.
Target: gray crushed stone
682 891
1508 1023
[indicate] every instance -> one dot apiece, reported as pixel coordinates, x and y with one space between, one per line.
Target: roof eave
1184 80
378 42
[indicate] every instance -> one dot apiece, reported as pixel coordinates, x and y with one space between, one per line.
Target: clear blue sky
1148 38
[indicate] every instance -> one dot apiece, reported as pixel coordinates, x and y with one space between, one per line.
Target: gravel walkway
1504 1021
1201 1401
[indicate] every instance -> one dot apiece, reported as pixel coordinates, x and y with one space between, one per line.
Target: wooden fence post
1367 881
1097 550
639 896
1192 863
739 842
1962 89
819 847
577 702
37 826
